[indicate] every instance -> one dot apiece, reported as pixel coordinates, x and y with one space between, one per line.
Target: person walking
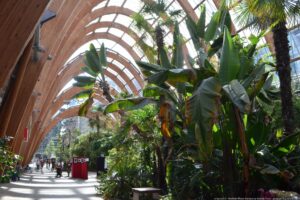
53 164
42 165
58 170
69 165
38 163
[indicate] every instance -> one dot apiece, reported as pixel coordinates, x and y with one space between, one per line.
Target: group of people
52 164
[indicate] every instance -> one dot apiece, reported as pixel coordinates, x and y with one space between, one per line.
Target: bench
146 190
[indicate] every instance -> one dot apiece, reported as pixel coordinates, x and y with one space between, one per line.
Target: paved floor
37 186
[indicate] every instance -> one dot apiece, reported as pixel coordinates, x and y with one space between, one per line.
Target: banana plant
209 101
93 79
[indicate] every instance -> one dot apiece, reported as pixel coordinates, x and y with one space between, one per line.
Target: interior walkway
37 186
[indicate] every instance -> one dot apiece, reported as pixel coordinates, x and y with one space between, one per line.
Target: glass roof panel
115 2
109 17
194 3
123 19
100 5
101 30
128 89
128 73
296 68
111 71
135 5
121 79
128 39
136 84
116 32
294 38
118 64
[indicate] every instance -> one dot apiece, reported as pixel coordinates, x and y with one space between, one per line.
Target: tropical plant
131 158
8 161
275 14
94 79
207 97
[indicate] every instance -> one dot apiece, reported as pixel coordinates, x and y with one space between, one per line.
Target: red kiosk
80 168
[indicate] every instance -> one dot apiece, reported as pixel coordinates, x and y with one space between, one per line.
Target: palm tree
275 14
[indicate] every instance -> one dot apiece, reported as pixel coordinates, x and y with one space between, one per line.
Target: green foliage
229 63
92 145
96 64
130 162
128 104
8 162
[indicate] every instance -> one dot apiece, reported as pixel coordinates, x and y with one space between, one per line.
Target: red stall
80 168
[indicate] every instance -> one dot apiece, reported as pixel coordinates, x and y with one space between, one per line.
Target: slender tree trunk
281 43
245 151
161 171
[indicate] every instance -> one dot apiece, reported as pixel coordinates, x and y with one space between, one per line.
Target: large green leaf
103 60
92 59
177 59
84 85
149 67
181 76
83 94
128 104
230 62
164 60
84 107
156 91
201 22
212 26
158 78
173 76
89 71
256 74
192 28
225 19
205 143
148 51
86 82
215 46
238 95
202 107
85 79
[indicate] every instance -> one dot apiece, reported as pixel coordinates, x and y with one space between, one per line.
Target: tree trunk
161 171
244 148
281 43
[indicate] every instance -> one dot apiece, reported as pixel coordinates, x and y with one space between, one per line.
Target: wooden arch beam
18 22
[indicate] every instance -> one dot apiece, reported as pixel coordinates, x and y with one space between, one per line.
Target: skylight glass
116 32
101 30
100 5
109 17
128 39
134 5
115 2
123 19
